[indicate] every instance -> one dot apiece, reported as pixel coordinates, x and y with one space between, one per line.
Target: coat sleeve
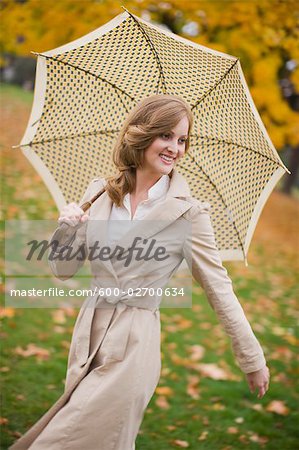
203 258
68 249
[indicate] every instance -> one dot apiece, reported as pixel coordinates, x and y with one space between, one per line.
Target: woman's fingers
251 386
262 390
260 380
72 214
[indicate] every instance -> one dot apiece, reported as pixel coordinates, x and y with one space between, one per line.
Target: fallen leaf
218 406
192 387
58 316
171 328
205 325
65 344
165 371
183 325
212 371
182 444
7 312
243 438
239 419
172 345
203 436
197 308
196 352
164 390
232 430
278 407
58 329
206 420
257 407
70 312
260 439
3 421
179 361
282 354
162 402
292 340
32 350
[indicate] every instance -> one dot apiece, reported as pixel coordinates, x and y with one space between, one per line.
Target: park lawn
190 409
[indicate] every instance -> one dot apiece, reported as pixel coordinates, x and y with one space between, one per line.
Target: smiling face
164 152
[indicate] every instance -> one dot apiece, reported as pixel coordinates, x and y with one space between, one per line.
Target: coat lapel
161 216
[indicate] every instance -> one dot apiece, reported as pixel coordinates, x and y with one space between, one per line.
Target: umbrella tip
124 9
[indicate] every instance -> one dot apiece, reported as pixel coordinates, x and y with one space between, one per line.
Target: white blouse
120 217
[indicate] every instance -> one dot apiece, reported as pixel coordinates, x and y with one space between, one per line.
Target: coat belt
121 332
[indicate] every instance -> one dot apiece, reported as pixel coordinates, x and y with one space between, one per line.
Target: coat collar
178 186
159 217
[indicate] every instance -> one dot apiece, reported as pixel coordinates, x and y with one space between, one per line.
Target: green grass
12 92
41 383
32 386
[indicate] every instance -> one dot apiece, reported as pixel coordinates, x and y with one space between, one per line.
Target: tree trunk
293 166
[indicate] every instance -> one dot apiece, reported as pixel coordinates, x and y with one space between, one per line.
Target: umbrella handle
64 226
87 205
59 234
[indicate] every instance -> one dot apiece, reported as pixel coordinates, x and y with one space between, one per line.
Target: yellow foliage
277 135
265 70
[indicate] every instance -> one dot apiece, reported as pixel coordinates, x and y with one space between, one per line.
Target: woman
114 360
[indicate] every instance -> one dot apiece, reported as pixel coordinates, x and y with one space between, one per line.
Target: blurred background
202 400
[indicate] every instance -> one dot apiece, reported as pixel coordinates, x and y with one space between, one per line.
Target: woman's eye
167 136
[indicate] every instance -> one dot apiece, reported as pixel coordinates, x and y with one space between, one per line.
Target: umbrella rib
237 145
94 133
152 47
92 74
221 197
215 85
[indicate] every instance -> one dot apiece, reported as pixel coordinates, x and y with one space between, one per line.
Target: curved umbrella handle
63 227
87 205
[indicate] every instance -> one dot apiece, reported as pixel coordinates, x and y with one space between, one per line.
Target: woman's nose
173 148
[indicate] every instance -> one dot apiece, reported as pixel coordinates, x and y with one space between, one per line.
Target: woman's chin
166 169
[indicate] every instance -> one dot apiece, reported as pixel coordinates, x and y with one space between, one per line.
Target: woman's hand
72 214
259 379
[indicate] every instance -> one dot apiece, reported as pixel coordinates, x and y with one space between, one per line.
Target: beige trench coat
114 361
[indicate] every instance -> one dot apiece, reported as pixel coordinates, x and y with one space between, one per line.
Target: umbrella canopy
85 89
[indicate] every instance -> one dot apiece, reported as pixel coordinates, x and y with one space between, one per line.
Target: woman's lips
167 161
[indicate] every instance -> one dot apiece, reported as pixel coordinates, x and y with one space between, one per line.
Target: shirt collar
158 190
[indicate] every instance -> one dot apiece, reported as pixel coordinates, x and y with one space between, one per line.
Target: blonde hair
153 116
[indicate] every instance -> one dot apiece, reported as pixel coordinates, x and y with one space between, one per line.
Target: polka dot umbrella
85 89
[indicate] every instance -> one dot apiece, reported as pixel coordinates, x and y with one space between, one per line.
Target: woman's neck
144 181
